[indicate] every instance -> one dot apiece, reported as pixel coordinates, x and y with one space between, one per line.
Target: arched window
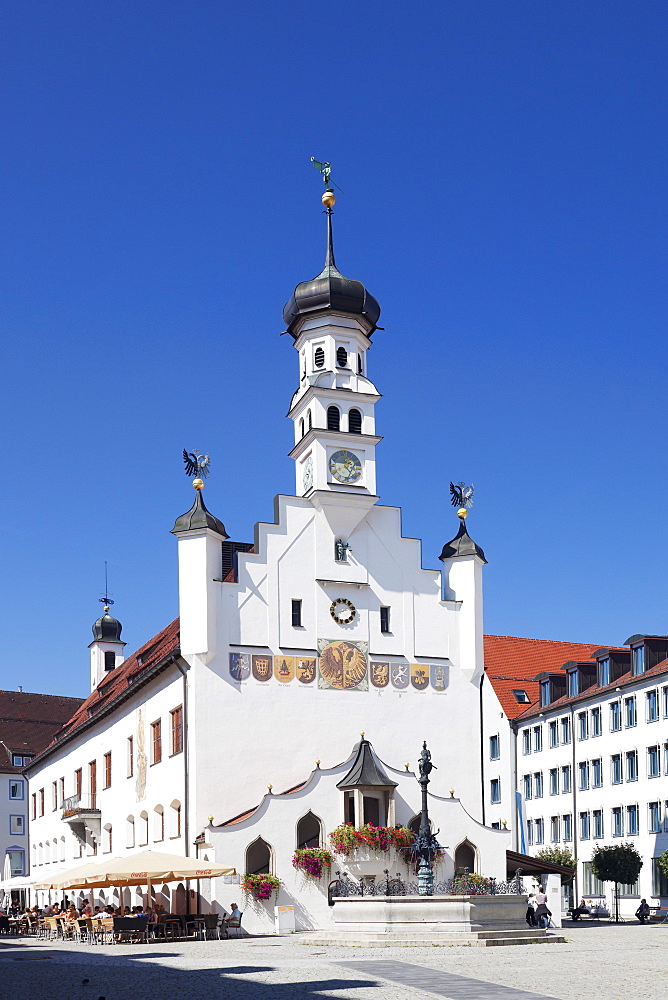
309 831
465 856
47 853
143 827
107 839
40 854
109 659
258 858
341 357
310 421
354 421
319 357
62 848
333 418
175 819
130 831
301 427
158 823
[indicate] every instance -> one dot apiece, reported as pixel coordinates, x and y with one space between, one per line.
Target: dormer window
604 671
319 357
544 693
341 357
638 655
573 687
333 418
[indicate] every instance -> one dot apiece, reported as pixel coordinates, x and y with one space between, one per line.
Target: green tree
663 862
559 856
618 863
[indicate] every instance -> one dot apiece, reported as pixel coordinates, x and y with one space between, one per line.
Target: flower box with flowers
369 849
313 862
260 887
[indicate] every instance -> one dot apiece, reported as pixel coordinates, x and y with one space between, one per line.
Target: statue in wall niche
142 762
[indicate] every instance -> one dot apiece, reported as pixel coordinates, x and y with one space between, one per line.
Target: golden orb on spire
328 198
198 484
463 513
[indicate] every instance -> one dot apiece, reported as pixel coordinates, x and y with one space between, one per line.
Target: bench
657 914
595 913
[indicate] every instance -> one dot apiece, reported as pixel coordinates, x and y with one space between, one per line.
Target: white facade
14 822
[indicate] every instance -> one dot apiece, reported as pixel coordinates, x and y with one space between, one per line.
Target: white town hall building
325 627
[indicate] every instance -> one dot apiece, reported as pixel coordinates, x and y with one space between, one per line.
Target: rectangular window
529 832
554 781
78 779
494 749
566 730
584 826
592 885
583 775
92 783
41 801
538 785
61 792
665 758
631 821
632 765
177 730
156 741
583 726
54 795
131 757
616 769
566 779
16 862
495 790
573 686
659 879
20 760
630 711
540 831
604 672
664 700
597 773
16 788
568 827
654 810
17 826
597 817
596 721
537 739
652 706
544 694
554 735
107 770
629 890
34 805
496 825
296 614
528 786
653 762
384 619
617 822
615 716
638 654
554 829
526 741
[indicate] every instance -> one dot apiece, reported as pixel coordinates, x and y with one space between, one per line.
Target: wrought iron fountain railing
394 885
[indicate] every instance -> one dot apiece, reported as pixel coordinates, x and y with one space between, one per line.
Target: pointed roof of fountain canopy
367 770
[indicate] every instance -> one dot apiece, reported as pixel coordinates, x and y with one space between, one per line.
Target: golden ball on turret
329 198
198 484
463 513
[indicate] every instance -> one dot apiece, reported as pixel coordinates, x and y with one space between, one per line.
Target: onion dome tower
106 649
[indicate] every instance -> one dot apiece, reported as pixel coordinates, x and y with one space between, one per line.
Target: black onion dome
107 629
461 545
330 290
199 516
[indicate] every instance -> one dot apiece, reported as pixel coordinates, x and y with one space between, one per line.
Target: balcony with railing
82 813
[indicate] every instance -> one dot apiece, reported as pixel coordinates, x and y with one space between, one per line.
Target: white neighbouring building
235 733
577 753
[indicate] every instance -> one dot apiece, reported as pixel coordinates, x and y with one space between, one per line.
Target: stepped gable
513 663
28 722
117 681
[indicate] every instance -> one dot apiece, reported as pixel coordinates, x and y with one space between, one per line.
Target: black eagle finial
197 465
461 495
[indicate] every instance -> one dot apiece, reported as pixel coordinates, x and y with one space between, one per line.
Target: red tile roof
513 663
118 681
29 721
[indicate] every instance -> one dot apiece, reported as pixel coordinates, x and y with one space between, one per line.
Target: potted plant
313 862
368 850
261 886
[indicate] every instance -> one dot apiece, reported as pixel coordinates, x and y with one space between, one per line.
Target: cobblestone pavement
597 963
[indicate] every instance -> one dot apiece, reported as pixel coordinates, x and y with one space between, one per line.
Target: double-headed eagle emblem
197 465
461 495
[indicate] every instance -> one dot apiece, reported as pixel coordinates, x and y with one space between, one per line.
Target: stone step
474 940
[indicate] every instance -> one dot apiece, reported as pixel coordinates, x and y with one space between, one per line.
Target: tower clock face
345 467
308 473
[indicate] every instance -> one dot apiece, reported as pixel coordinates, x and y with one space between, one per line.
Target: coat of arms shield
399 675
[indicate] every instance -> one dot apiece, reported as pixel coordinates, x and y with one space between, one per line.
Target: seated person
642 913
235 913
580 909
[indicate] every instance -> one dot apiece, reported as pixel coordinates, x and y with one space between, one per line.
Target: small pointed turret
106 649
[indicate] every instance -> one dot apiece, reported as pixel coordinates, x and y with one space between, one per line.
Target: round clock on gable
308 474
345 467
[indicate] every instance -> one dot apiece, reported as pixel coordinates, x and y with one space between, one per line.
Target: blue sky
504 173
